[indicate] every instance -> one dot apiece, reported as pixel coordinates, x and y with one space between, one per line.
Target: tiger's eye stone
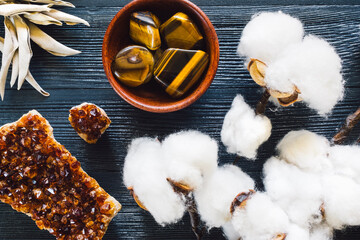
180 32
144 29
177 69
133 66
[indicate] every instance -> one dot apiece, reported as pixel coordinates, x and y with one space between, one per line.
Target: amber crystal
133 66
180 32
40 178
177 69
144 29
89 121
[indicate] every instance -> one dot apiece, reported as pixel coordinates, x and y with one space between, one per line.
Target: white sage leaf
48 43
42 19
30 79
65 17
8 52
52 2
25 52
15 68
12 9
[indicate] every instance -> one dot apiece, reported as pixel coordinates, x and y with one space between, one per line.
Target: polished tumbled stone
180 32
144 29
133 65
177 70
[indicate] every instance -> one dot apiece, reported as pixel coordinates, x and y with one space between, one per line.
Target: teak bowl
151 97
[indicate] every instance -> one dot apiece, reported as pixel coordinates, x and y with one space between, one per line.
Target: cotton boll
144 172
267 34
306 150
341 201
230 232
214 198
243 131
189 156
314 67
260 219
297 192
295 232
346 161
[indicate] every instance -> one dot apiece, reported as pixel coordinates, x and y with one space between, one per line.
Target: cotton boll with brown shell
269 33
144 173
314 67
299 193
306 150
243 131
260 219
214 198
341 201
346 161
189 157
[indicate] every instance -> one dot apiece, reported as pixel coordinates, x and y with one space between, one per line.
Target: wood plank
81 78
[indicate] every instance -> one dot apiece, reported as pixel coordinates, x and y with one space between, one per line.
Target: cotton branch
261 106
345 130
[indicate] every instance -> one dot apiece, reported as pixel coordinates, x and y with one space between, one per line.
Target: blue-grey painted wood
80 78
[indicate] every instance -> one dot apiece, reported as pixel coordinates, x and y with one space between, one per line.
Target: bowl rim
178 105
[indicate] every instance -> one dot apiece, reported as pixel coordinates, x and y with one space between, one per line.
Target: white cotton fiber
144 172
341 201
189 156
321 232
214 198
314 67
267 34
305 149
229 232
346 161
261 219
297 192
295 232
243 131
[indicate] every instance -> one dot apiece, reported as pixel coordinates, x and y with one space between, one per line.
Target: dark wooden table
73 80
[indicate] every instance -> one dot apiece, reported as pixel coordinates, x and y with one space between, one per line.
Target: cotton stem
261 106
345 130
196 223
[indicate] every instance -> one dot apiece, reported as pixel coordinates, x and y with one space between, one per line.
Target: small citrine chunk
133 66
144 29
177 69
180 32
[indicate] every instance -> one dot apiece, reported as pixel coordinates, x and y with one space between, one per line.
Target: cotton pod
346 160
299 193
243 131
217 193
341 201
189 157
314 67
145 175
260 219
306 150
269 33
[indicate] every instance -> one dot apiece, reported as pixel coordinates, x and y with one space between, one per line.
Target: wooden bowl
151 96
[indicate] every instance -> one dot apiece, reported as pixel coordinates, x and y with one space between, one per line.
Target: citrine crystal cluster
40 178
169 53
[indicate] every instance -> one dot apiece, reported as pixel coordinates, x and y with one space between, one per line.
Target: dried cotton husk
12 9
52 2
67 18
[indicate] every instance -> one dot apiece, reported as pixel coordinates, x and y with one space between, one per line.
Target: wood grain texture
80 78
